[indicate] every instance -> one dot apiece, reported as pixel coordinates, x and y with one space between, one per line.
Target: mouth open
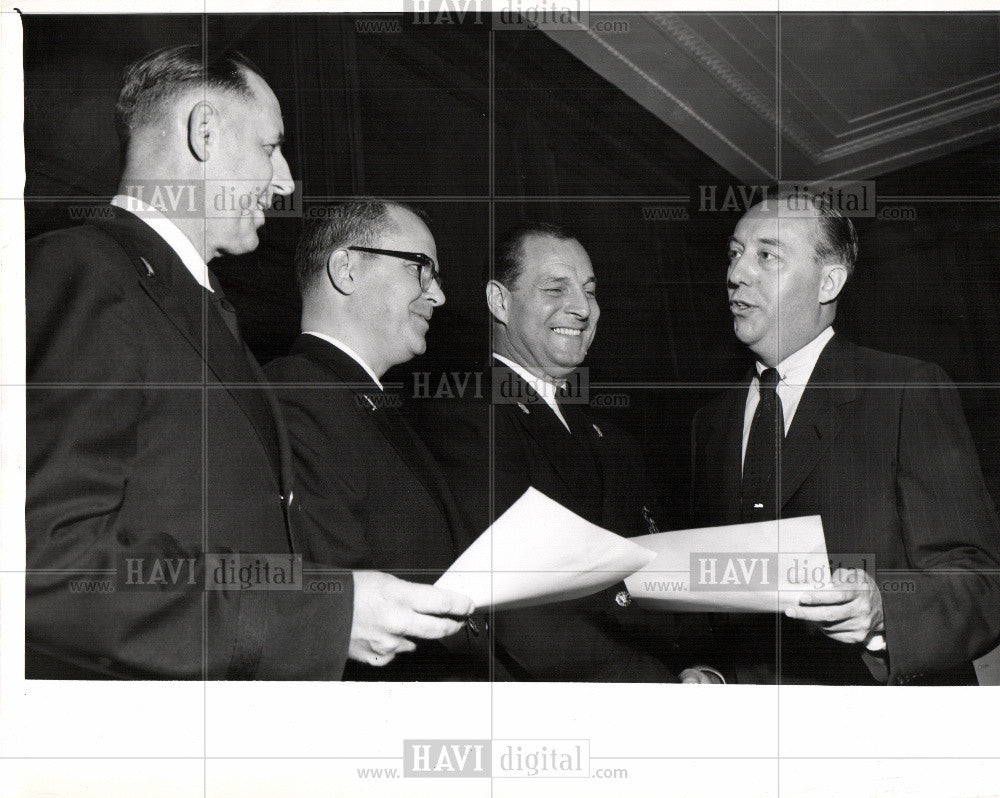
738 306
573 333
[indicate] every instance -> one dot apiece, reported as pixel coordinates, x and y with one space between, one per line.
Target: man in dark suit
530 429
157 459
874 443
370 495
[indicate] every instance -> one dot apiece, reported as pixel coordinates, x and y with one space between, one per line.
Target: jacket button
623 599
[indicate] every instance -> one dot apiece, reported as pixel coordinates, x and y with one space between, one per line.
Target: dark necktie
224 307
760 466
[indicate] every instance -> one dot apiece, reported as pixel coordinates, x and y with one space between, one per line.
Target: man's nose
281 179
435 294
578 304
739 272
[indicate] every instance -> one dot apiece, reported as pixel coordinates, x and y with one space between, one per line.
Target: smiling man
874 443
369 493
536 433
544 305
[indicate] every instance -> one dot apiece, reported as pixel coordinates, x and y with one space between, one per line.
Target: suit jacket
370 495
153 444
880 449
491 452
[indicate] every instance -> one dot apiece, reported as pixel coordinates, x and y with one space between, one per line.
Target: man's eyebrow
771 242
735 240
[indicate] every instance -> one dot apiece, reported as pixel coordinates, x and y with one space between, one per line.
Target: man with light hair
874 443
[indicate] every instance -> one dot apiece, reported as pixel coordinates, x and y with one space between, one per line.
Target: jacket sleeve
944 609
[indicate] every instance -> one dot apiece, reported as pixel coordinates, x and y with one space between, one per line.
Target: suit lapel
540 424
171 287
731 428
389 421
812 431
718 464
283 460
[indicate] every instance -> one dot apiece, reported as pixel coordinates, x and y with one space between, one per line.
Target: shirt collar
543 388
170 233
347 351
798 366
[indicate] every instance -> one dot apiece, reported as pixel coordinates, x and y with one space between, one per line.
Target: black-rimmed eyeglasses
427 272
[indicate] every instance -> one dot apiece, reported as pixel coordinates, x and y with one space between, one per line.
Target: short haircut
360 223
509 258
157 78
838 238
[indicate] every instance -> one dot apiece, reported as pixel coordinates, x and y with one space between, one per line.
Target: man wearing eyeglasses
369 493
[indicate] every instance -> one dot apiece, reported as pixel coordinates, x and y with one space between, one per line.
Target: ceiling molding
808 95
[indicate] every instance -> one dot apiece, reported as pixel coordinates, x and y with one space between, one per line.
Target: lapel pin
524 409
597 429
371 404
149 269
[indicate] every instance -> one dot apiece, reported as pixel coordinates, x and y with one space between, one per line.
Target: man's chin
244 246
570 360
745 333
563 367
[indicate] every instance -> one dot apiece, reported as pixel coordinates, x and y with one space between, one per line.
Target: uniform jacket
153 444
369 494
491 452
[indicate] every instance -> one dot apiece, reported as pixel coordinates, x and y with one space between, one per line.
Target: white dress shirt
170 233
793 375
347 351
543 388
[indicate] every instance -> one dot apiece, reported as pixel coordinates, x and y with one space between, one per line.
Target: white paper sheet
761 567
538 552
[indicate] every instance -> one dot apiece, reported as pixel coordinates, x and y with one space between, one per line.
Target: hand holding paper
851 613
538 552
761 567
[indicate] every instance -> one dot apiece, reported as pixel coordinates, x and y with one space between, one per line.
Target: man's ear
203 129
497 300
832 282
340 271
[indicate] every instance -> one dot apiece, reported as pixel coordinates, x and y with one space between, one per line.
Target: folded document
760 567
538 552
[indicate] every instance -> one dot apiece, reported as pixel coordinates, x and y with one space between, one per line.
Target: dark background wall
406 112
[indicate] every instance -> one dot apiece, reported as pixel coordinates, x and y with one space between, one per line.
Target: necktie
767 431
224 307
